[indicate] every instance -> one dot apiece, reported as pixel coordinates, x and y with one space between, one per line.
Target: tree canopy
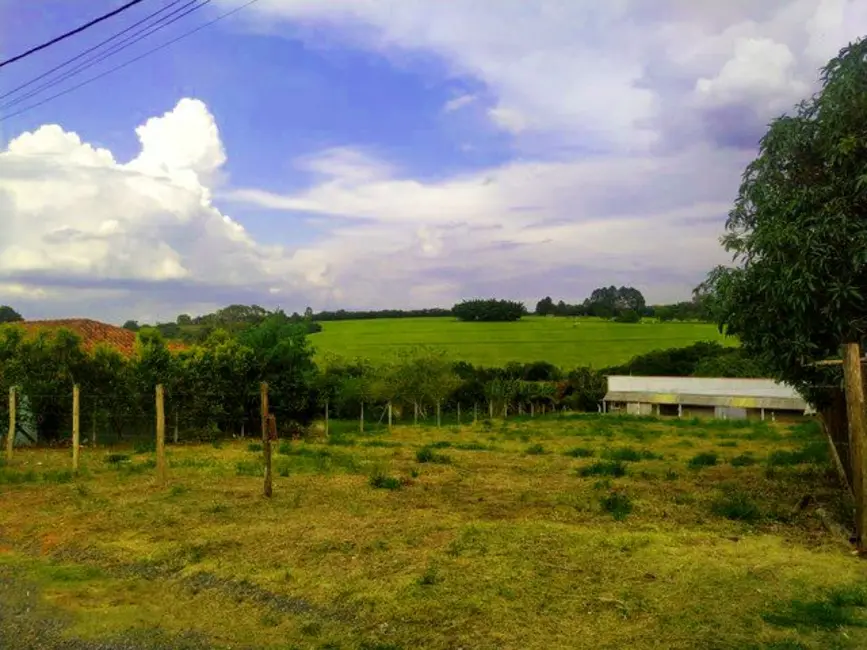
798 233
489 310
9 315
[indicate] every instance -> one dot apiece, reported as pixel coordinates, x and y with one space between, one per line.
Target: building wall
714 386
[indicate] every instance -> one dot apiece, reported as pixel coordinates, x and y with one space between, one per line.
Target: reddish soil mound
93 333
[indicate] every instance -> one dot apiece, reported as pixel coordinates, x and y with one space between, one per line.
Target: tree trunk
835 423
855 409
415 412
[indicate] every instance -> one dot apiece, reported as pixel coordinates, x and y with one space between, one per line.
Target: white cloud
76 219
459 102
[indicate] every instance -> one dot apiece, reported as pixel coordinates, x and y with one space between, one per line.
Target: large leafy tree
9 315
798 233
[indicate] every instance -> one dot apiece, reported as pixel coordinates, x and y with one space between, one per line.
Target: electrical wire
162 23
88 51
73 32
129 62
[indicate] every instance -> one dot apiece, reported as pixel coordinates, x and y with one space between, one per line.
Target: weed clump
382 481
428 455
255 447
704 459
744 460
248 468
115 459
737 506
604 468
535 450
619 505
145 446
814 453
579 452
630 455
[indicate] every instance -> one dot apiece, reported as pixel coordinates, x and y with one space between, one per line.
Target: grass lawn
564 342
572 532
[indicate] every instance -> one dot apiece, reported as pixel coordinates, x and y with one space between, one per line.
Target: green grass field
558 533
562 341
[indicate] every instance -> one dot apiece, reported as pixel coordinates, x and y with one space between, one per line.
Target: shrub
629 455
737 506
604 468
427 455
618 504
704 459
579 452
744 460
145 446
254 447
535 450
380 480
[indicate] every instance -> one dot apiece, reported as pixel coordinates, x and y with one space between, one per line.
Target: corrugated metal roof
705 391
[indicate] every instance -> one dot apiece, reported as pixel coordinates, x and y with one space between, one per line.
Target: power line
88 51
73 32
129 62
134 38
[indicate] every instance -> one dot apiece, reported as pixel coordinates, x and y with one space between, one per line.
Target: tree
545 307
185 319
489 310
798 233
9 315
607 302
131 325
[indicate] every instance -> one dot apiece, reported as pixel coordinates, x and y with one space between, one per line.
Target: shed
704 397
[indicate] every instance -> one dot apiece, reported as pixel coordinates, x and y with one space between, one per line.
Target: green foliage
428 455
491 310
629 455
380 480
535 450
704 459
737 506
815 453
9 315
608 302
799 287
628 316
744 460
604 468
255 447
579 452
618 504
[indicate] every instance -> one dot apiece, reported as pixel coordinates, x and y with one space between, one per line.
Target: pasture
565 342
580 531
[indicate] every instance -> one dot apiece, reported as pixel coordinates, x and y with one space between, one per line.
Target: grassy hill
565 342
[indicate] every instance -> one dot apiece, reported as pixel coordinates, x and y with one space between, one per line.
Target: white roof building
724 395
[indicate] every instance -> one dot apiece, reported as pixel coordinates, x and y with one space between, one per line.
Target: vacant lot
575 532
564 342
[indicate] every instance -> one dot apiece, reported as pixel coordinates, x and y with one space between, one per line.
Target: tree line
212 388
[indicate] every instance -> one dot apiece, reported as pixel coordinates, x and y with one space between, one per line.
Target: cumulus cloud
77 220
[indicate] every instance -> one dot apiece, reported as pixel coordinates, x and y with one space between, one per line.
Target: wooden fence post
389 415
857 430
459 414
266 441
439 414
475 412
10 437
161 436
415 412
76 426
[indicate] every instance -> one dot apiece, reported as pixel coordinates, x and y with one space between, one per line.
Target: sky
371 154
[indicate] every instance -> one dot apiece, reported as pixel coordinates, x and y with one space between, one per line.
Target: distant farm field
562 341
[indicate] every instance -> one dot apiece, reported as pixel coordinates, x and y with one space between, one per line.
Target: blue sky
392 153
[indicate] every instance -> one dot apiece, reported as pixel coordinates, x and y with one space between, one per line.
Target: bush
604 468
427 455
704 459
535 450
629 455
618 504
579 452
628 316
744 460
254 447
737 506
382 481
